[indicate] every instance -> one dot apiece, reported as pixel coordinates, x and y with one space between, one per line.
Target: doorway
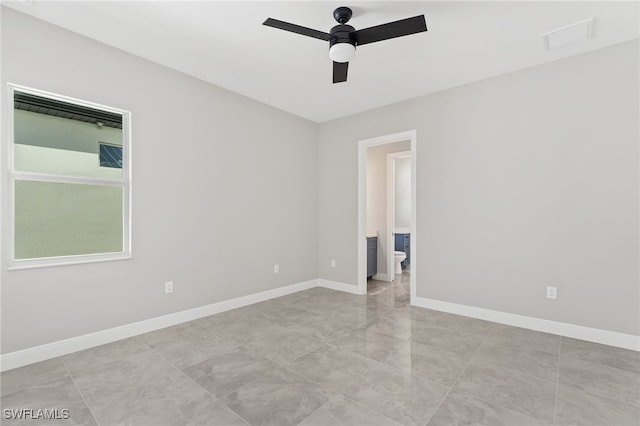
387 236
399 208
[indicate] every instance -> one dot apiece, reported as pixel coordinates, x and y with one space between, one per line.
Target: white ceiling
226 44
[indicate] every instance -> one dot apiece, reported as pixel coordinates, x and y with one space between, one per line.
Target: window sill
66 260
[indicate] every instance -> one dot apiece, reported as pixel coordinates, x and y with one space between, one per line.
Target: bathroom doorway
380 223
399 211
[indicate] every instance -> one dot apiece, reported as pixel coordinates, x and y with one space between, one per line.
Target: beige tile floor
322 357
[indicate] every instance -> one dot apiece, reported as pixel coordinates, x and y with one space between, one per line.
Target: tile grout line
555 404
80 392
293 328
254 352
607 398
524 373
602 364
505 341
596 395
302 376
500 406
248 383
493 403
196 383
455 382
360 404
411 339
314 411
339 392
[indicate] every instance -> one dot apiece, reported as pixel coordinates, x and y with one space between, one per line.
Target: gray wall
524 180
217 199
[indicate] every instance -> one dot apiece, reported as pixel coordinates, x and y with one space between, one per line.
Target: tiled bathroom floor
322 357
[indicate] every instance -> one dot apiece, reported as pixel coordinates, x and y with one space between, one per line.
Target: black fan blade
340 71
400 28
309 32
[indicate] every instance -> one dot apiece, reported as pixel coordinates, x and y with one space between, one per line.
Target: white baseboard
35 354
381 277
605 337
335 285
16 359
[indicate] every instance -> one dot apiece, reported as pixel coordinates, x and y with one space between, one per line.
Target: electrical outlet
276 268
552 292
333 263
168 287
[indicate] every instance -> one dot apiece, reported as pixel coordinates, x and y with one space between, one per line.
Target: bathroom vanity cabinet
402 244
372 256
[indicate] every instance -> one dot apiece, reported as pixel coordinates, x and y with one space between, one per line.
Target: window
69 180
110 156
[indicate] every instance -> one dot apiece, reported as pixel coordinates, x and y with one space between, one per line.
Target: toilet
399 257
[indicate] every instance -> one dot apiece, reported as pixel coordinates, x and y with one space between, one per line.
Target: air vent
567 35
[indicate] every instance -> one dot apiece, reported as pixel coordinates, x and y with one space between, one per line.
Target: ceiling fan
343 38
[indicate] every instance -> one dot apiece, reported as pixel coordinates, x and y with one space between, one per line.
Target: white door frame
391 209
363 145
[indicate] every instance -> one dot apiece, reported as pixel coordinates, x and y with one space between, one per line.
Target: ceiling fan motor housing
342 34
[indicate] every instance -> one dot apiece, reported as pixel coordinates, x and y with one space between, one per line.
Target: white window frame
124 182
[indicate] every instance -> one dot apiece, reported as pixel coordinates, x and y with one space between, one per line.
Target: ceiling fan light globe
342 52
